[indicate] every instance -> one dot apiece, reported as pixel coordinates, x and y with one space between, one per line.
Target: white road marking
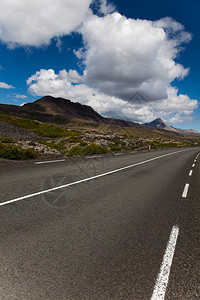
195 160
193 165
118 154
94 156
191 171
163 276
185 191
89 178
48 162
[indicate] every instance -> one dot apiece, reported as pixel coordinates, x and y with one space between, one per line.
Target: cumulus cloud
128 56
35 23
65 84
122 59
4 85
47 82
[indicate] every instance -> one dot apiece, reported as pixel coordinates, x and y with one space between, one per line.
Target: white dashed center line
163 276
185 191
193 165
191 171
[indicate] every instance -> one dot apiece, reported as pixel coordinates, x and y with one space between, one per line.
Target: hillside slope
65 112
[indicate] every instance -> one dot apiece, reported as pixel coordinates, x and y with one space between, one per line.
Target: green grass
57 146
164 144
86 150
6 140
16 153
114 147
73 133
41 129
61 146
74 139
130 137
51 131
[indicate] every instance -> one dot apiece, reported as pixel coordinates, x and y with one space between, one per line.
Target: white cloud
175 108
20 96
4 85
122 58
106 8
128 56
35 23
46 82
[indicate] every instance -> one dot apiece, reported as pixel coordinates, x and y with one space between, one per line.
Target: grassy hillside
79 138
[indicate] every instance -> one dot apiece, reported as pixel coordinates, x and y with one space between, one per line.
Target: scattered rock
11 131
37 147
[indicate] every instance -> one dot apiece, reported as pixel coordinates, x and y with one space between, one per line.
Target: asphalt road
101 237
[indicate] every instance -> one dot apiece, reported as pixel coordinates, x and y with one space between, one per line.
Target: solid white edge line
191 171
116 154
89 178
185 191
48 161
163 276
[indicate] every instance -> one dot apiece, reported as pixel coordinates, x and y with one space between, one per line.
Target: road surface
120 226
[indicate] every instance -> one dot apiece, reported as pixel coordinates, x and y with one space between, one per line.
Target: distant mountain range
160 124
63 111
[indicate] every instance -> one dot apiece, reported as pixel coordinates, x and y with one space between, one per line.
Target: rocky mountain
160 124
63 111
62 107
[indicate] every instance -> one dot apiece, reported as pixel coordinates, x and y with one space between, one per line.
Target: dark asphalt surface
104 238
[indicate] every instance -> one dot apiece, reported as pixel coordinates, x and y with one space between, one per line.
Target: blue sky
135 60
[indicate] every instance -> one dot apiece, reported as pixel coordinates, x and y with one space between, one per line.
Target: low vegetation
6 140
157 144
114 147
86 150
15 153
50 139
53 145
41 129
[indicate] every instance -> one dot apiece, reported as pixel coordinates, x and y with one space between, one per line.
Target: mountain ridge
63 111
